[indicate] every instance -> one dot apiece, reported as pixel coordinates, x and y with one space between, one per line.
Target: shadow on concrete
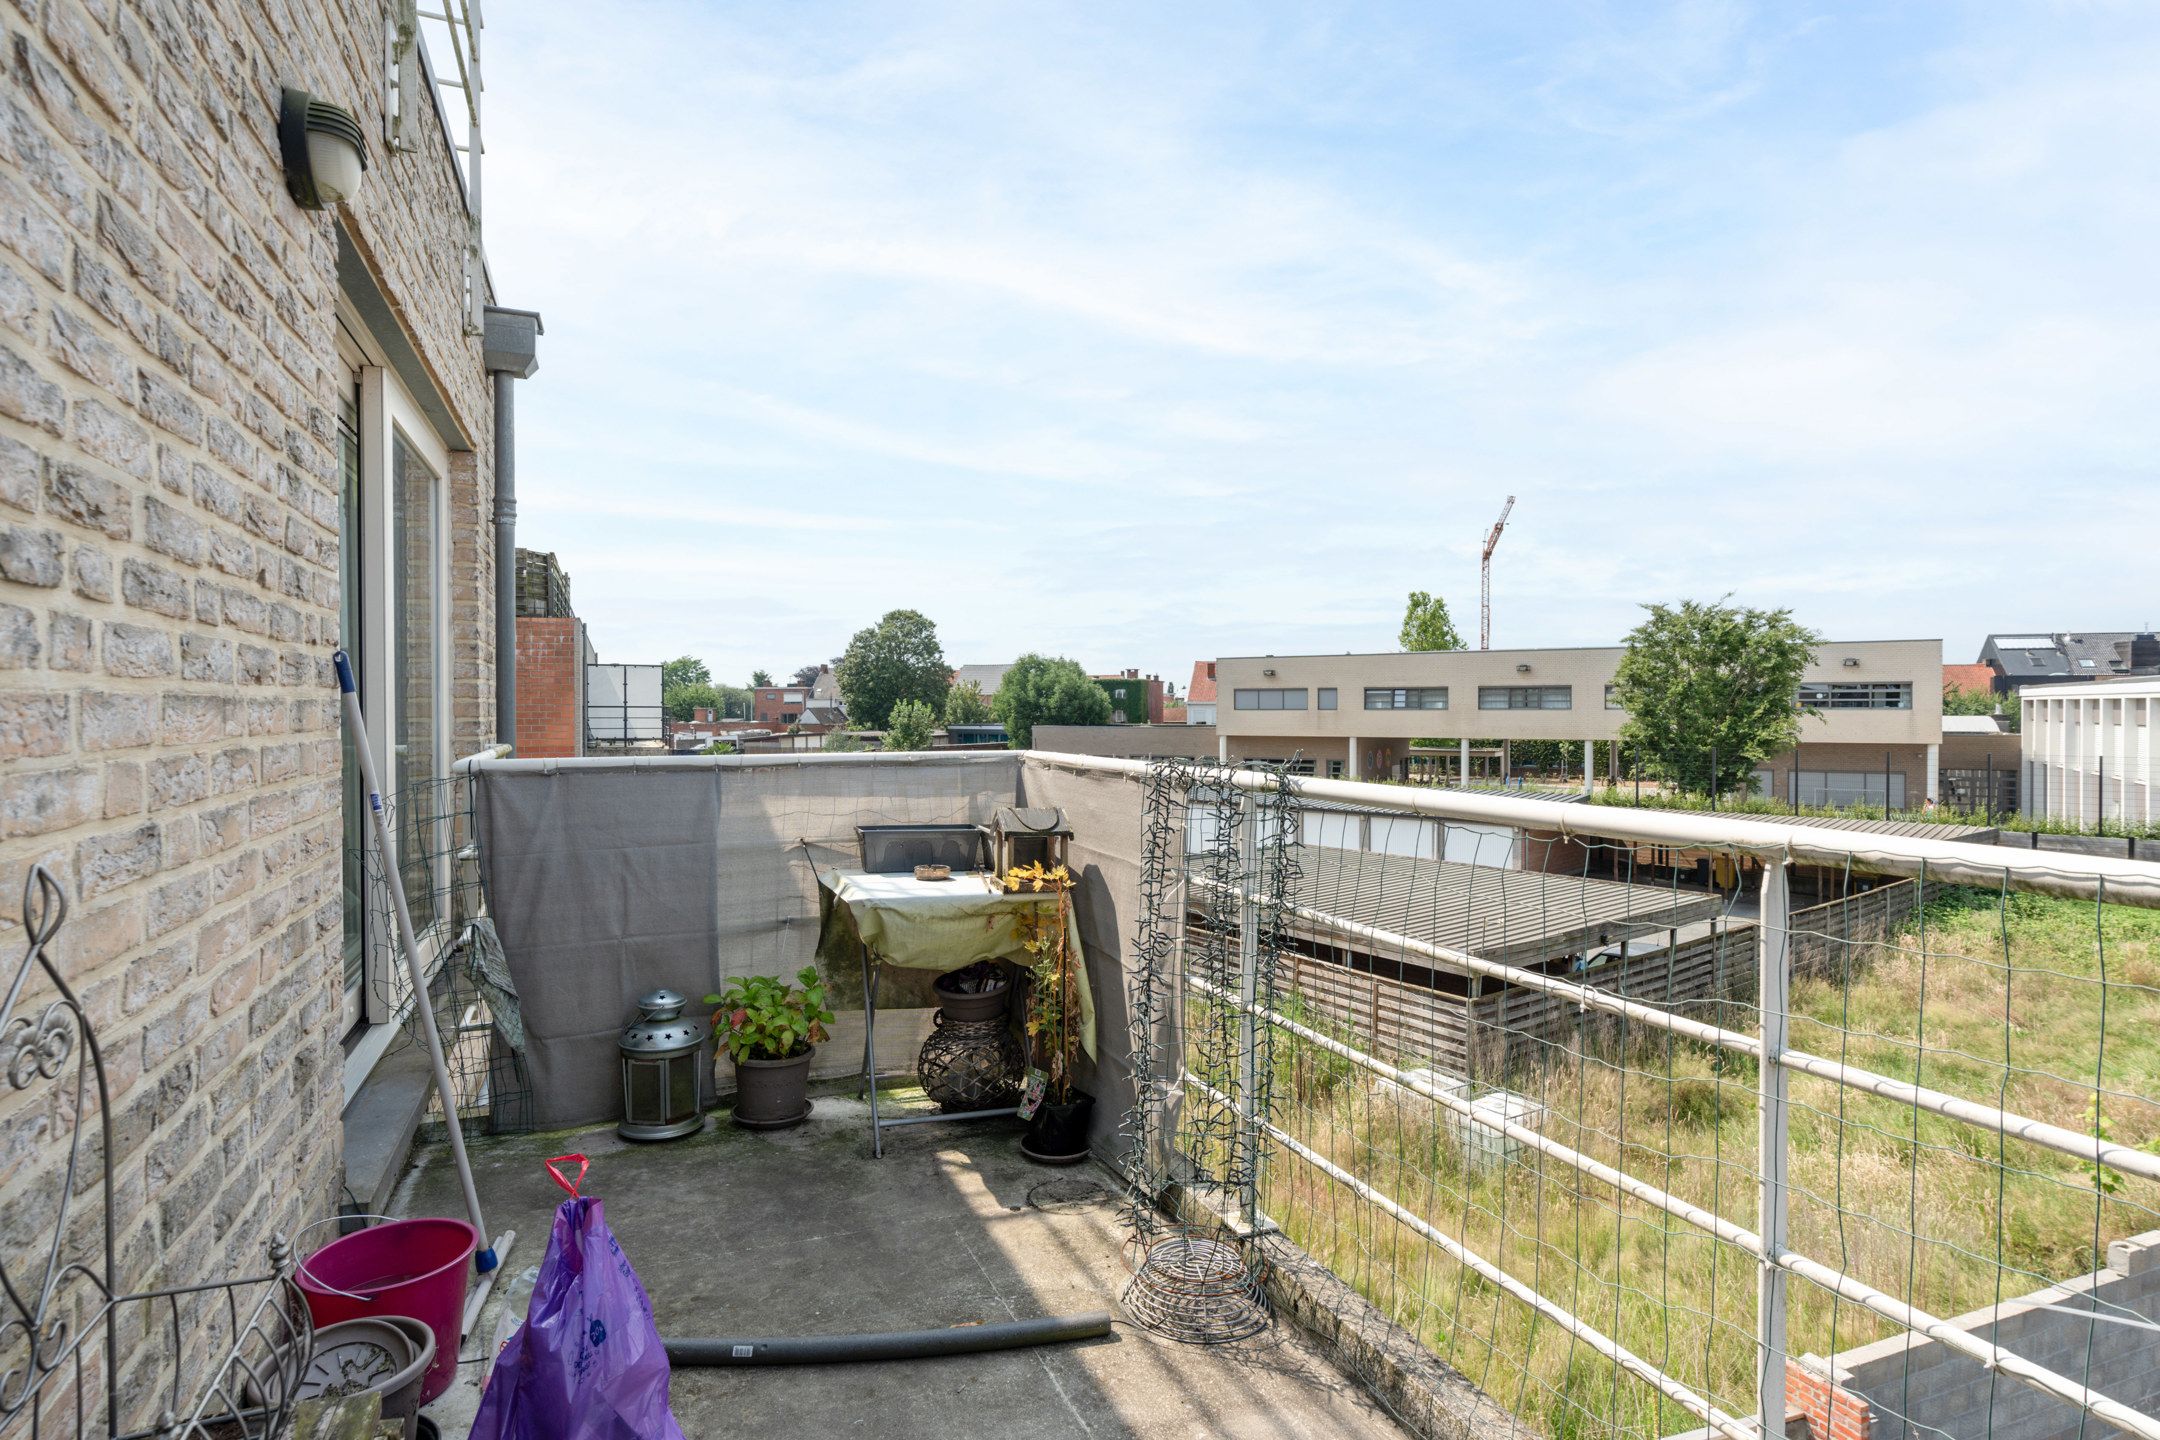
801 1232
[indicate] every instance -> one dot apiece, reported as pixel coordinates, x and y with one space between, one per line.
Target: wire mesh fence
1517 1097
475 1003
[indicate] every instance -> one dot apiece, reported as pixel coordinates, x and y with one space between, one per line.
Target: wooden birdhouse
1023 835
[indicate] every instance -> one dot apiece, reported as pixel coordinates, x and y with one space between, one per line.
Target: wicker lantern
1029 835
663 1081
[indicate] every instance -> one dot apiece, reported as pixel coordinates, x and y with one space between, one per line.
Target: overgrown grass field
2033 1004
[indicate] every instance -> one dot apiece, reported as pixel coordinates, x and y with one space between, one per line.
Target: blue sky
1144 333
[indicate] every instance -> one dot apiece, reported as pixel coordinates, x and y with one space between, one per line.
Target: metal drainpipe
505 559
511 351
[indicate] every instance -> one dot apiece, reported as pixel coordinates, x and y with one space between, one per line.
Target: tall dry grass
2036 1005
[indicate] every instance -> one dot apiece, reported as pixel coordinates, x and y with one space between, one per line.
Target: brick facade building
234 433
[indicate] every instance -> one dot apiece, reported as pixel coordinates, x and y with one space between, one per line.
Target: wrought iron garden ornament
61 1313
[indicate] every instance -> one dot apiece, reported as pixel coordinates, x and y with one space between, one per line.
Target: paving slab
800 1232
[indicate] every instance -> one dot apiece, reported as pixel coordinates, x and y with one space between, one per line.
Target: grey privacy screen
608 878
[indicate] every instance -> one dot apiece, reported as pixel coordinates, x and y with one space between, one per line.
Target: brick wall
169 552
550 687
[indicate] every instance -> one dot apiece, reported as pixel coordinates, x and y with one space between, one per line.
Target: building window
1856 695
1840 789
1327 697
1334 769
1269 699
1413 697
1612 698
416 556
1526 697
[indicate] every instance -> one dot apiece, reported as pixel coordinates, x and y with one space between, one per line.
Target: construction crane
1492 539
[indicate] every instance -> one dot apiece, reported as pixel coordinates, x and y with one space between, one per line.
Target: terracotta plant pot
1058 1134
773 1094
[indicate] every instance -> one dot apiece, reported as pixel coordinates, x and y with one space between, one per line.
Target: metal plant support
1203 1063
63 1366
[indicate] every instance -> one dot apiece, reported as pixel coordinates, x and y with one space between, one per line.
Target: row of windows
1414 697
1856 695
1815 694
1526 697
1279 699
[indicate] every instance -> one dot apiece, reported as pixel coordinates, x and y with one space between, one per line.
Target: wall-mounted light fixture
1270 674
324 152
1522 668
1852 662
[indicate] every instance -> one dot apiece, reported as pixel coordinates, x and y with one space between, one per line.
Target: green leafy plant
763 1017
910 726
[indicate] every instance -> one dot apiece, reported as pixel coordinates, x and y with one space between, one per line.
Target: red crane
1484 622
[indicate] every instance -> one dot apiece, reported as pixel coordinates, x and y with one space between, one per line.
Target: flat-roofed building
2090 755
1878 733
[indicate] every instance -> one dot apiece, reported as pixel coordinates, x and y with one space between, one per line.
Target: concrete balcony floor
800 1232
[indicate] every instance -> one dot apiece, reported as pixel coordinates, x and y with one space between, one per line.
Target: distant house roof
2071 655
1202 689
1968 677
1971 725
987 678
824 712
827 685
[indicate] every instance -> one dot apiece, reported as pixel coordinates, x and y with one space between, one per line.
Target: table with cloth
935 925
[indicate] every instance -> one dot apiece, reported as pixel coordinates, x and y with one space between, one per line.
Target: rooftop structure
2030 658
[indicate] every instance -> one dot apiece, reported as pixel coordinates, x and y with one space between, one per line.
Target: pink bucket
416 1268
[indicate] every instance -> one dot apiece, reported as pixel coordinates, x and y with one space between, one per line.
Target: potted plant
771 1030
1057 1132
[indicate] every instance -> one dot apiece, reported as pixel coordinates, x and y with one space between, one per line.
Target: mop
484 1260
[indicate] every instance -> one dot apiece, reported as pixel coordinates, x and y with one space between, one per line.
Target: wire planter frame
77 1355
1219 865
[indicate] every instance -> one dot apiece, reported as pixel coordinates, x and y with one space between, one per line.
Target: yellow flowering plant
1053 1004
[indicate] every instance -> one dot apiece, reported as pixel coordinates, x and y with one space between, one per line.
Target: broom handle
484 1257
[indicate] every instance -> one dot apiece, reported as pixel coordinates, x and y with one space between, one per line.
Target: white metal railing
1768 1242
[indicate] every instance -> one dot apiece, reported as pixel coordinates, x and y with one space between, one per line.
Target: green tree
1426 626
897 659
1702 679
909 726
678 700
684 670
837 742
1040 690
760 678
964 705
1959 701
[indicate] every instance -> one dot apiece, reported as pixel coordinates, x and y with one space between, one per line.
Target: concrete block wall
1919 1387
169 547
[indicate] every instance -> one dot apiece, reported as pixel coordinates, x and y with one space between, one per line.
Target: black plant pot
1058 1134
773 1094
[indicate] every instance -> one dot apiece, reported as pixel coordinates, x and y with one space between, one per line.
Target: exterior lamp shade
663 1074
323 149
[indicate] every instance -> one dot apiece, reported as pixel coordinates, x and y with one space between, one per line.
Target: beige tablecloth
939 925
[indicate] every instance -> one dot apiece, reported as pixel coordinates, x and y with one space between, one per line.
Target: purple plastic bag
587 1363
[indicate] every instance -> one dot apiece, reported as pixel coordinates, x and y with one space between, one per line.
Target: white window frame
388 411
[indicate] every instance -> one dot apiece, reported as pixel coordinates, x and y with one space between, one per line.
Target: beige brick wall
168 578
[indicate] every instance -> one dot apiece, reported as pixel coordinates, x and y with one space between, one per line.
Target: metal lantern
663 1079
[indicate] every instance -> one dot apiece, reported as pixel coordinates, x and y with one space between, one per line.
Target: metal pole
505 558
1886 784
484 1259
1773 978
1249 998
